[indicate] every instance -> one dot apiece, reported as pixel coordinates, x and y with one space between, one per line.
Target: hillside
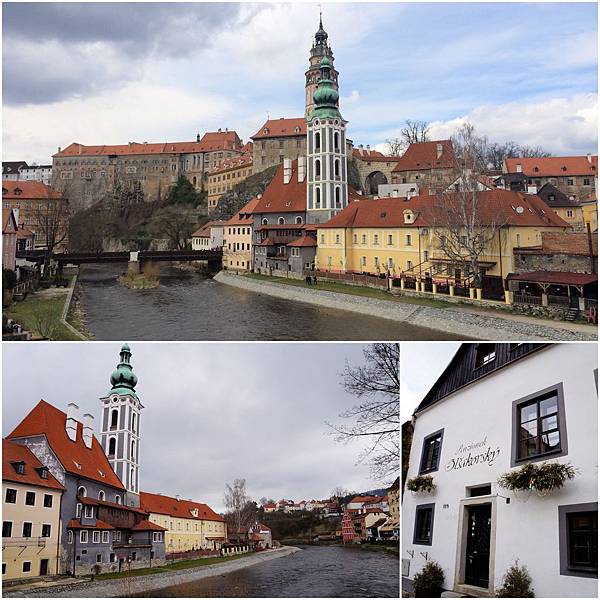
299 526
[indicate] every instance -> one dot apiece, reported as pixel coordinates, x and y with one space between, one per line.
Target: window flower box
421 483
543 478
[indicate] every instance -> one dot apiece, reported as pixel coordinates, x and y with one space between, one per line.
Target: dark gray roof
8 168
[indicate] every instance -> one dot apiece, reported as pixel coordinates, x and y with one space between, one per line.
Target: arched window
318 197
114 418
338 196
281 221
194 180
101 495
81 491
336 167
112 446
131 479
133 422
117 499
318 168
298 220
336 140
133 450
265 222
317 141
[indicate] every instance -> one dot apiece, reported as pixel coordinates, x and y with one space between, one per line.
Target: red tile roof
365 499
94 502
244 215
14 453
554 166
76 524
75 457
373 155
423 155
554 277
204 231
213 140
280 197
23 233
29 190
304 241
281 128
9 222
229 164
496 205
562 243
147 526
166 505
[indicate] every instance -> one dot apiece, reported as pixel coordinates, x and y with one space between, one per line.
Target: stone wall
272 151
572 263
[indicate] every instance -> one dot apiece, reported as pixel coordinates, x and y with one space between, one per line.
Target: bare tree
178 225
463 223
376 417
52 215
413 132
241 510
337 493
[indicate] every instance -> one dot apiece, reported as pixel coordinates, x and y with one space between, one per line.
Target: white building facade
496 408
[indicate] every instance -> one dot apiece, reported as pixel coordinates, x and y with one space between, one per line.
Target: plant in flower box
421 483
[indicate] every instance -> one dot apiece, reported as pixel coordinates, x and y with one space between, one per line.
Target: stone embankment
455 320
127 586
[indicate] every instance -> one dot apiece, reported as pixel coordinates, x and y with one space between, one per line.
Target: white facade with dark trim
466 440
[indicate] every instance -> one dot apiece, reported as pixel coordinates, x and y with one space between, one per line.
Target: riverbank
129 586
449 319
46 314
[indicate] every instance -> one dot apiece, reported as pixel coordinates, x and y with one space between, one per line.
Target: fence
527 299
559 300
359 278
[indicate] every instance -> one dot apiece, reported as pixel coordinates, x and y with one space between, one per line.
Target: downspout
500 251
58 536
591 249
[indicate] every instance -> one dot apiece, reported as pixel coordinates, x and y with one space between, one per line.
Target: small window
430 454
112 446
46 530
114 418
11 496
70 536
3 568
101 495
81 491
105 537
30 498
26 566
96 537
582 533
6 529
408 239
479 490
423 533
485 354
27 529
89 512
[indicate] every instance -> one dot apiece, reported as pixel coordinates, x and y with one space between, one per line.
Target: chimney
71 425
439 149
301 168
287 170
177 498
394 193
59 148
88 429
368 149
360 149
589 158
219 130
197 137
519 168
79 149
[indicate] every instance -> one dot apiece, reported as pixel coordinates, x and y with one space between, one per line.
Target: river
316 572
191 306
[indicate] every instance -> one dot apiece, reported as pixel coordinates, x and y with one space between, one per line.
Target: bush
9 279
429 582
516 583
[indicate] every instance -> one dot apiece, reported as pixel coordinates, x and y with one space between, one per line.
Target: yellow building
190 525
401 237
394 499
589 209
227 175
30 515
237 239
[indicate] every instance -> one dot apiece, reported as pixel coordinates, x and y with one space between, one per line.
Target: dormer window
43 472
18 191
536 169
409 216
19 467
486 354
265 130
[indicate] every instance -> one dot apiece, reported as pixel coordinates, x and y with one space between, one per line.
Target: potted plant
543 478
429 581
421 483
516 583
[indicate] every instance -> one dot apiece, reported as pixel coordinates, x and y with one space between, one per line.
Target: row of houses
72 502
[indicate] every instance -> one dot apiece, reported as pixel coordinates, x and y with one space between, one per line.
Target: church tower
320 48
120 432
327 177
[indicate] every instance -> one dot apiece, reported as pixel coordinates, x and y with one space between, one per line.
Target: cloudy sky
113 73
420 366
213 412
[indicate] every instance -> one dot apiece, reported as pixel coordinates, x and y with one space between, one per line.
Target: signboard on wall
469 454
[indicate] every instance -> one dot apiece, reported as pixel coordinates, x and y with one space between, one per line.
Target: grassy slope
176 566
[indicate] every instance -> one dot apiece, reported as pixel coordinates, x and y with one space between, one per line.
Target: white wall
525 530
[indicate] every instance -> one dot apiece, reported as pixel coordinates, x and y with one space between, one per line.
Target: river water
316 572
191 306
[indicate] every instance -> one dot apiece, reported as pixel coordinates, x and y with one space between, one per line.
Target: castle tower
320 48
327 178
120 432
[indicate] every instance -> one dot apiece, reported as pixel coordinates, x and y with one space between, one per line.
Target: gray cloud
53 51
213 412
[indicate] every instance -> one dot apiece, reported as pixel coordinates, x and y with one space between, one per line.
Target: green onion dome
326 96
123 379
